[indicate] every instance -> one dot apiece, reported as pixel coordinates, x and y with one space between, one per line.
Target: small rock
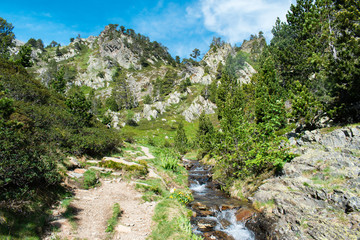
73 162
200 206
207 213
217 235
227 207
80 170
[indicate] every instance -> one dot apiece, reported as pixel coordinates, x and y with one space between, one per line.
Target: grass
153 189
192 155
70 212
111 223
158 131
172 221
260 206
90 179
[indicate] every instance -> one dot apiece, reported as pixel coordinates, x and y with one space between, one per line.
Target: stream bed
216 216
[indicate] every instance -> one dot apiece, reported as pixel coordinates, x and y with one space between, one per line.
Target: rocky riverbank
318 194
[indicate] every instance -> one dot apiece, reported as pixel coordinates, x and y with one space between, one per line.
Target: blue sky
179 25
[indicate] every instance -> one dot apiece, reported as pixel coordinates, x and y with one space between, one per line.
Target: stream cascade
214 212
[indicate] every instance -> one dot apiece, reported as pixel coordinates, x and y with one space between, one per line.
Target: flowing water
215 212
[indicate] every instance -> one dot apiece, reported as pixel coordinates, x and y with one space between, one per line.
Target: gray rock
149 113
198 106
353 204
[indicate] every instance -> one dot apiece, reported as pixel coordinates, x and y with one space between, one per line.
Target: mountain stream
215 214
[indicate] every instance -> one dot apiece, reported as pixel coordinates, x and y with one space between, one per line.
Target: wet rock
207 213
218 235
227 207
206 225
225 223
243 214
200 206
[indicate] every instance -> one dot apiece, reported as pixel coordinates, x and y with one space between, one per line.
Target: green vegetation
6 38
37 131
90 179
181 141
111 224
172 221
311 69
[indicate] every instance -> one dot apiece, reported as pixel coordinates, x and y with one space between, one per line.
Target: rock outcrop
318 196
218 55
198 106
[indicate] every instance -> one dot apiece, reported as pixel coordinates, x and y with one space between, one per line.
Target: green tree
121 92
59 82
177 60
195 54
6 37
184 84
205 133
32 42
24 56
305 108
181 141
345 62
147 99
80 107
58 52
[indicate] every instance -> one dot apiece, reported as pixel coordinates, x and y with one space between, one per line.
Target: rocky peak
256 44
218 54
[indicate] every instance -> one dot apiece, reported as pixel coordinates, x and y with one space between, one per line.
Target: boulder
206 224
243 214
149 113
217 235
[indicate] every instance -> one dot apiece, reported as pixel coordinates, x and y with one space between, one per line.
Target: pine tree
205 133
181 141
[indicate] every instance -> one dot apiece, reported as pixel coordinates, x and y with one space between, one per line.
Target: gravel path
94 208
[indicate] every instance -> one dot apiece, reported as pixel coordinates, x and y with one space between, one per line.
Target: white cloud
235 20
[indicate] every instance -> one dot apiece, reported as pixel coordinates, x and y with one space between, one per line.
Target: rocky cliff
317 197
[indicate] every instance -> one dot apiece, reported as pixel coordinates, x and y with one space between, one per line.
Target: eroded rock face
318 196
218 55
198 106
115 48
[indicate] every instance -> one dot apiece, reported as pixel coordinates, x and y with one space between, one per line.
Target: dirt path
94 207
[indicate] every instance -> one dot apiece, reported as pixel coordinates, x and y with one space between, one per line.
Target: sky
179 25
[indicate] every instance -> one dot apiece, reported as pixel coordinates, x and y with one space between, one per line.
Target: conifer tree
181 141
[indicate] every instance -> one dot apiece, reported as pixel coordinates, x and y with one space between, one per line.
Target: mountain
123 70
